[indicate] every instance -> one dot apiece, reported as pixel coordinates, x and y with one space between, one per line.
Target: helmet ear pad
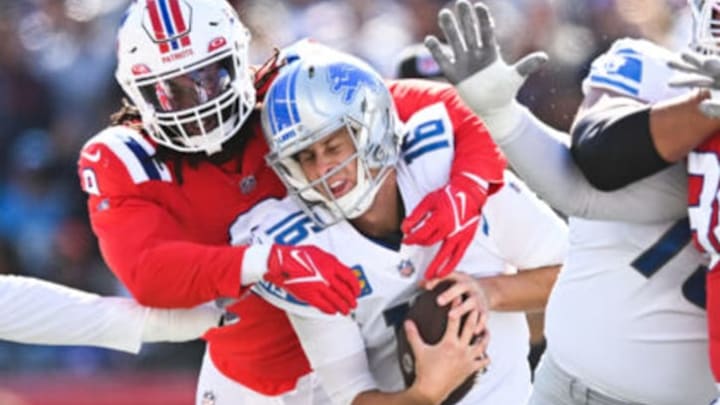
315 95
157 58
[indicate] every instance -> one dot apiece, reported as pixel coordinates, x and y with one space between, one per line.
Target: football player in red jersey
175 168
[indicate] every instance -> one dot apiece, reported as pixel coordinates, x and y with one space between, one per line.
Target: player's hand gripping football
314 276
469 290
450 214
474 64
441 367
699 71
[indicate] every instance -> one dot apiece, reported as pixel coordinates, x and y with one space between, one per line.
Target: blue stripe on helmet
167 21
281 102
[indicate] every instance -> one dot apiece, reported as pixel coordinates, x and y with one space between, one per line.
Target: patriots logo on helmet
167 22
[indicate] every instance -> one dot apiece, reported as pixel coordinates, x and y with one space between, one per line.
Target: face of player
333 158
191 90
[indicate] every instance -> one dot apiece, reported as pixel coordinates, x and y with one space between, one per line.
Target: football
431 321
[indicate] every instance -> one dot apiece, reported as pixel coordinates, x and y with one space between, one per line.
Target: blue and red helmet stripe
168 22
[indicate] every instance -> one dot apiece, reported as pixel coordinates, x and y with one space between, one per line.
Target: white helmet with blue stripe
184 65
318 92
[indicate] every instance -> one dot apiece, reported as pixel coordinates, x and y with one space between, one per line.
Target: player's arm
538 152
450 213
617 140
39 312
157 259
142 243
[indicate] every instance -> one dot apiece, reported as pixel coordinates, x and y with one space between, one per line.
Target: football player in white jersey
625 322
39 312
353 171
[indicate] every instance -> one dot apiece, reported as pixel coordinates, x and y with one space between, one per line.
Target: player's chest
210 198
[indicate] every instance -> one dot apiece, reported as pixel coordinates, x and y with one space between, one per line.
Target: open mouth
339 188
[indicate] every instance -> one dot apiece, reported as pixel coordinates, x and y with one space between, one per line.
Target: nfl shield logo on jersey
406 268
247 184
208 398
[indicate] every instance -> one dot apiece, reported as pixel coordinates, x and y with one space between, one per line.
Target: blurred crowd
57 89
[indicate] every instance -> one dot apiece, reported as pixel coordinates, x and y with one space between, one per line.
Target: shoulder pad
118 155
635 68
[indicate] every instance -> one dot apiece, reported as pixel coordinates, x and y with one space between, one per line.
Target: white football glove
699 71
473 63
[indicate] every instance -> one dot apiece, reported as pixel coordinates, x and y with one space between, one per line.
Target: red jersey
703 211
167 240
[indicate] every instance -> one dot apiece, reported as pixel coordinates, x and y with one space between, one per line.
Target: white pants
214 388
553 386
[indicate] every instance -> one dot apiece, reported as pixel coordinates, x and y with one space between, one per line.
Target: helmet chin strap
212 145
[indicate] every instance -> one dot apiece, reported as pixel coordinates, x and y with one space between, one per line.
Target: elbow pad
613 146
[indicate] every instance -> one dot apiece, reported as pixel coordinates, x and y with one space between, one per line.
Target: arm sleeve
541 156
476 155
39 312
336 351
612 144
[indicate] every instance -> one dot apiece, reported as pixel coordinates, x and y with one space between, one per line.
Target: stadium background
57 89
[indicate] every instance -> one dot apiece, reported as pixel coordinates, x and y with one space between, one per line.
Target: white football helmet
318 92
706 26
184 64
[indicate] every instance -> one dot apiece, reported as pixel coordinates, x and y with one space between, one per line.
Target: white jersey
358 353
626 315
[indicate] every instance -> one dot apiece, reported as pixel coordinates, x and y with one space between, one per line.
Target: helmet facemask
706 26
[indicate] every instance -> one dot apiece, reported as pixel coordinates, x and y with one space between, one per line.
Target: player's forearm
38 312
525 291
179 274
677 125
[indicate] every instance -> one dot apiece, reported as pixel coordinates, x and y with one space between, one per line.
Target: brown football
431 321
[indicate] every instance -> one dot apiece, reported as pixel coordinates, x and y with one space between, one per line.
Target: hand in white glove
473 63
699 71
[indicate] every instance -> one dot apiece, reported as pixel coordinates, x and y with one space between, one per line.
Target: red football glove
452 214
314 276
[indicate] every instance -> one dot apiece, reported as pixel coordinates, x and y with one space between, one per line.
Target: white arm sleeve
541 156
336 350
39 312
